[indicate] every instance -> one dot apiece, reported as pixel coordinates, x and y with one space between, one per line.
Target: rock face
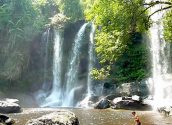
61 117
9 106
129 89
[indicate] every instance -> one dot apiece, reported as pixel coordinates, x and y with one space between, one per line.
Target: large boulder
133 102
128 104
61 117
102 104
9 106
5 120
129 89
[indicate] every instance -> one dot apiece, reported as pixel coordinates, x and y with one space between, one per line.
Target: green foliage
133 65
116 22
72 9
168 26
20 22
59 20
14 65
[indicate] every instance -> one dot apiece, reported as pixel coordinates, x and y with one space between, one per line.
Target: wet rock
5 120
133 102
102 104
128 104
129 89
61 117
9 107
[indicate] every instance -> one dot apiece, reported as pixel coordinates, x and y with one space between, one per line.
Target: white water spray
91 60
72 73
54 99
160 61
46 39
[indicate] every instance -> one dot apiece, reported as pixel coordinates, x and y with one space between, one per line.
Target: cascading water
160 61
72 73
91 60
41 94
46 39
63 94
45 45
54 98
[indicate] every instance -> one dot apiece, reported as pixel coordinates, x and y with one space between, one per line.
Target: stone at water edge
133 102
61 117
9 107
102 104
5 120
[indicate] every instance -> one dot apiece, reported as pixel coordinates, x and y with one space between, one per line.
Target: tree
72 9
168 24
20 22
117 21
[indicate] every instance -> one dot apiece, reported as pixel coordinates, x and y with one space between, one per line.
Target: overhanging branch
165 8
158 2
151 4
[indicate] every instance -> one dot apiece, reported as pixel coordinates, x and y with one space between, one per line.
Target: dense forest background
121 38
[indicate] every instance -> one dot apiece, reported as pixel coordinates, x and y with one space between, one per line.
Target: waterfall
72 73
91 63
63 94
41 94
160 50
91 60
54 98
46 39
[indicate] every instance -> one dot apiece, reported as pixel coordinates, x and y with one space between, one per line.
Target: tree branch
165 8
157 2
151 4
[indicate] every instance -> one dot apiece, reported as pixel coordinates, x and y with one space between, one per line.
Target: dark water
98 117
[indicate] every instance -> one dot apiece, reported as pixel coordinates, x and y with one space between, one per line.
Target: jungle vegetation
120 27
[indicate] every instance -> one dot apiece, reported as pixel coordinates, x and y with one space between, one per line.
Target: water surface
98 117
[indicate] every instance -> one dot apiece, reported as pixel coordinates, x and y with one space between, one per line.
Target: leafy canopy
117 21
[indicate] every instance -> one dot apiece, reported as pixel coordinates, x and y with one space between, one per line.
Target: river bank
97 117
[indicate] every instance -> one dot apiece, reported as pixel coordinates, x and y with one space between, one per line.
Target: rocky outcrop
133 102
61 117
9 106
129 89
